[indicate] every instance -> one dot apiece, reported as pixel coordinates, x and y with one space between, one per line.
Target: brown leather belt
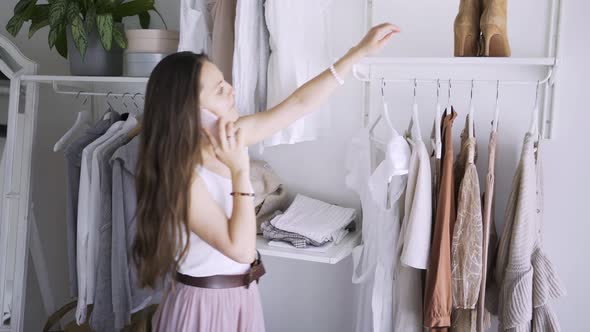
225 281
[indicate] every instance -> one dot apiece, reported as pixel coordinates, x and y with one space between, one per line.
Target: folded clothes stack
309 222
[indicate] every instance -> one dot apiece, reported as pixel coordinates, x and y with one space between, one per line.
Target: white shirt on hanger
251 53
381 193
413 246
194 27
299 51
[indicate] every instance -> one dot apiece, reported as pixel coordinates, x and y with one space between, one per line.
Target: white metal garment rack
368 71
65 85
85 86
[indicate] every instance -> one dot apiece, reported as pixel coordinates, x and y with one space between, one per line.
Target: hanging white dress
194 27
374 260
299 51
251 52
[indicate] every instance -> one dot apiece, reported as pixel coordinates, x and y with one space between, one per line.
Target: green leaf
161 18
39 19
144 20
73 12
61 43
79 36
120 38
84 6
105 30
134 7
35 26
104 7
90 20
40 13
21 6
25 8
15 24
57 12
52 38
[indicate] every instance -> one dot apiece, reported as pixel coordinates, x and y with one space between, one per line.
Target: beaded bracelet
236 193
336 76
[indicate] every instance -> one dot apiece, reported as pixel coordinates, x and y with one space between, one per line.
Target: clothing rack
78 93
75 86
55 82
546 80
86 86
370 70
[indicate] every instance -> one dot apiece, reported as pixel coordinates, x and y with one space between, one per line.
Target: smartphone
210 121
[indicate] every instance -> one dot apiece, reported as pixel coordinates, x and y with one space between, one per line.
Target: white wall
315 297
566 176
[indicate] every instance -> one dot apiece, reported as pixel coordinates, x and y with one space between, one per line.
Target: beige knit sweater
525 279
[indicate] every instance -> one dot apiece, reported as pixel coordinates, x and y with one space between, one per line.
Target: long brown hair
168 152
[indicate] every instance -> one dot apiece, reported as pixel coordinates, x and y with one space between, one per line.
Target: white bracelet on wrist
336 76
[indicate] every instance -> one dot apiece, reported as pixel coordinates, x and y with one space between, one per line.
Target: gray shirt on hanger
127 296
103 316
73 155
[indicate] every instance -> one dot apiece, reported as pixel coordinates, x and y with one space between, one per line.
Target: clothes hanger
107 114
385 109
471 112
125 115
414 127
415 105
534 128
123 101
137 110
380 116
449 98
384 115
437 120
137 129
81 123
497 111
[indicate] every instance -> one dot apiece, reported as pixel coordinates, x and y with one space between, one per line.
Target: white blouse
194 27
299 51
202 259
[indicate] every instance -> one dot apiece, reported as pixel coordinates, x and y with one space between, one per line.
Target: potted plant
87 32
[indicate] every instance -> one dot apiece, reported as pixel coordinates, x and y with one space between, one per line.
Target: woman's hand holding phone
228 146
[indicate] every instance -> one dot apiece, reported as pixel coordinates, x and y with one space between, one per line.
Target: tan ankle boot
493 27
467 28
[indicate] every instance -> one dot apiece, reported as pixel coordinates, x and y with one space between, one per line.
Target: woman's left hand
377 38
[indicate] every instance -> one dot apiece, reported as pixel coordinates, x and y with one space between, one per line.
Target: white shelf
332 256
85 79
458 61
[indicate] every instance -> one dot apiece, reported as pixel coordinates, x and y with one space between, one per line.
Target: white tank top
201 259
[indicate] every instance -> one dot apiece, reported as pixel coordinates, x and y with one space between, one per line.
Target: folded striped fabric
270 232
316 220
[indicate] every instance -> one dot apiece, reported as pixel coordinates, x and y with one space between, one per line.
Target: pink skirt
195 309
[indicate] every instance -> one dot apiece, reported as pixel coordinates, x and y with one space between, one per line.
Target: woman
196 182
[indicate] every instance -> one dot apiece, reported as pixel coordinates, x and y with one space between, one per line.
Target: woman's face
216 94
